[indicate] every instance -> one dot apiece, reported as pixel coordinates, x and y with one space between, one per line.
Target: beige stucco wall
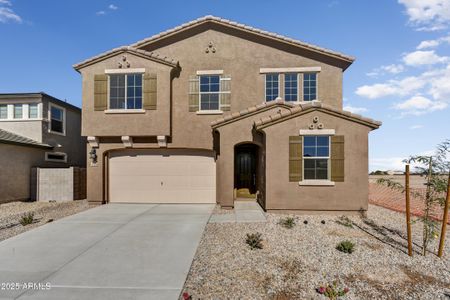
151 123
16 163
352 194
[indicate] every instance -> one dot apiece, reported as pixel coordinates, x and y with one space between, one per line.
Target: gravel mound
294 262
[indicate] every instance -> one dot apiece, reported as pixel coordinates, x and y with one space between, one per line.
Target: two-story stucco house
36 130
212 107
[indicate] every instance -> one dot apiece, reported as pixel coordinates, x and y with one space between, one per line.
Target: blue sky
401 75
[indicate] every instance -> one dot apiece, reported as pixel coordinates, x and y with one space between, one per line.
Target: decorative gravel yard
12 213
294 263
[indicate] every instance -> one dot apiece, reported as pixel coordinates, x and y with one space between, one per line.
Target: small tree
434 169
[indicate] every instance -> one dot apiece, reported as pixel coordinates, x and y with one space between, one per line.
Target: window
309 86
56 156
209 92
125 91
56 119
18 111
3 111
316 156
32 111
290 87
272 90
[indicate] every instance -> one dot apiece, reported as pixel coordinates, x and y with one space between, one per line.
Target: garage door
162 176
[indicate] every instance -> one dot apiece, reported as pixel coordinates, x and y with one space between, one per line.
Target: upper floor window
309 86
32 111
290 87
57 119
125 91
3 111
18 111
272 86
209 92
316 156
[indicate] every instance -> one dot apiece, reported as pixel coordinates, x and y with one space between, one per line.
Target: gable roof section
305 108
224 22
127 49
7 137
249 112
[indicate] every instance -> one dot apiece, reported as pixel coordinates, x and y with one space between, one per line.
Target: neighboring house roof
20 96
291 112
314 105
7 137
146 54
246 28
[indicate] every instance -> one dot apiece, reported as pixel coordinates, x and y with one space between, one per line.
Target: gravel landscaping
44 212
293 263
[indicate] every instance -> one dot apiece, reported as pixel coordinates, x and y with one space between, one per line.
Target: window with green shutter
295 158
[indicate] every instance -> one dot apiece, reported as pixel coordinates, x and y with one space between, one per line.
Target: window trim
303 87
125 72
56 153
37 111
317 182
265 86
7 111
220 92
14 111
284 87
63 133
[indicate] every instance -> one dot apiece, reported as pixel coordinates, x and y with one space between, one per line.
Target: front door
245 168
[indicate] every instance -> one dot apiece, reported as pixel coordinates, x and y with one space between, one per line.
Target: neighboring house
36 130
197 112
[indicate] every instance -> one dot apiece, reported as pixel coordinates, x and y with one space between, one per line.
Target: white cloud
355 110
389 163
418 126
428 44
106 11
402 87
113 7
391 69
419 105
7 14
100 13
428 15
419 58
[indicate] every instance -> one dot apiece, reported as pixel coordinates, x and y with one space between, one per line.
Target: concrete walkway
115 251
244 211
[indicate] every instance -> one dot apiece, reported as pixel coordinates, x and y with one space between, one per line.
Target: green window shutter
100 92
193 93
295 158
225 95
150 94
337 158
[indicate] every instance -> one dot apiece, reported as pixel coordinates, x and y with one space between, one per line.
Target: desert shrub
287 222
254 240
332 291
346 246
27 218
345 221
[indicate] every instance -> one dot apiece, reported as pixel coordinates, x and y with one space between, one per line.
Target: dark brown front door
245 167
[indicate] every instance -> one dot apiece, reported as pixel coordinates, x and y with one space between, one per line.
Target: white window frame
37 112
265 86
124 72
56 153
284 87
7 112
50 119
317 182
221 78
303 87
14 111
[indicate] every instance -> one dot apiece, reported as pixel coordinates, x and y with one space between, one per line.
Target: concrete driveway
115 251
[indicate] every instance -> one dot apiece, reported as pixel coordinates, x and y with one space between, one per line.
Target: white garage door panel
155 178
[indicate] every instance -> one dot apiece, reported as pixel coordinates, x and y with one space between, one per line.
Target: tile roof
7 137
314 105
151 55
292 111
244 27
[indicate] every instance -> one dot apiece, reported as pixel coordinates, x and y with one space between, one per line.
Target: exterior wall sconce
93 156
